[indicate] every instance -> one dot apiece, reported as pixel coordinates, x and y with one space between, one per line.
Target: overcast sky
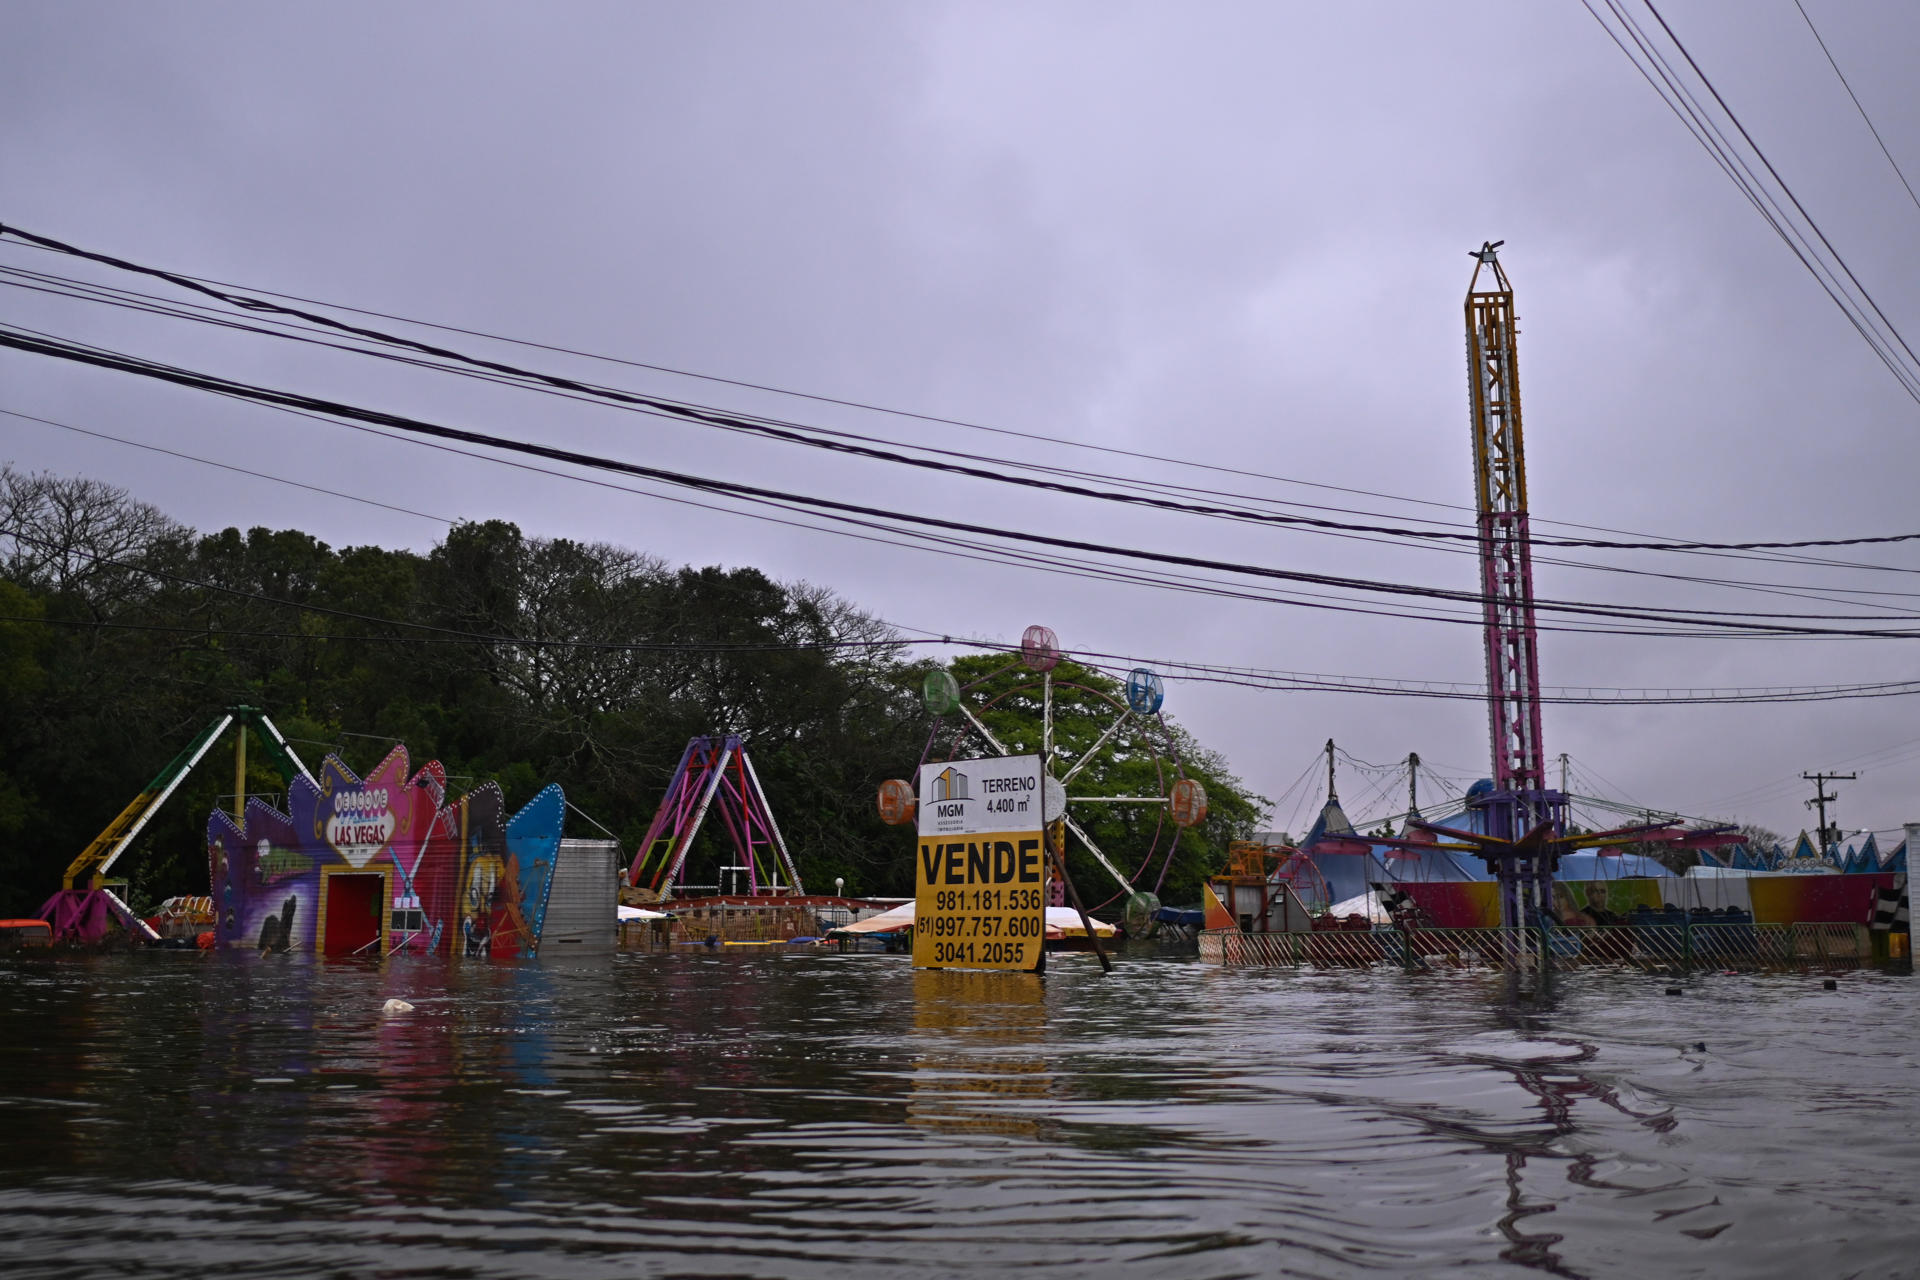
1232 234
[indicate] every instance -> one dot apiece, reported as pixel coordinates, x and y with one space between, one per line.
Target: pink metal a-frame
715 768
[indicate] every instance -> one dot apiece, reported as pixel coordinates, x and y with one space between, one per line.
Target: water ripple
796 1115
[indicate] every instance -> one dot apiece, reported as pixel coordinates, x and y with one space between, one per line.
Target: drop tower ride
1521 812
1522 831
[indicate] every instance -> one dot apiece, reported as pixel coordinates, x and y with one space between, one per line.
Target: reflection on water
982 1038
771 1114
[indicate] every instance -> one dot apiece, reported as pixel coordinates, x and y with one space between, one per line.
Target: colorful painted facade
1852 856
1761 898
383 863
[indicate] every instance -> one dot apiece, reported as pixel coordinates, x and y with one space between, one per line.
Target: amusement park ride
716 768
715 774
89 870
1132 728
87 873
1526 821
1522 821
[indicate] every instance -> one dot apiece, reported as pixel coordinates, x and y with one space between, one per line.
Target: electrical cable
847 403
787 432
1057 564
1785 189
1174 670
1845 84
1707 620
1779 589
227 466
1861 311
1880 757
1777 558
1817 595
1686 106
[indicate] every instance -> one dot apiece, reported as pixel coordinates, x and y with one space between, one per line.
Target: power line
848 443
227 466
1270 680
1702 621
112 296
1817 594
1810 594
959 548
170 308
1855 303
1575 697
1857 106
832 400
1785 189
1879 758
1687 108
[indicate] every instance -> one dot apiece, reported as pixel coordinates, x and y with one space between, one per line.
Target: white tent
1062 922
901 917
1366 904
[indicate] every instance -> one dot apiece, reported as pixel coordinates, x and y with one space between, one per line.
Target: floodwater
754 1113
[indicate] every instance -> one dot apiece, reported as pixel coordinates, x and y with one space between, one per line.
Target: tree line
518 659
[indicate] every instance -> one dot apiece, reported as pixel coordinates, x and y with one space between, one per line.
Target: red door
354 903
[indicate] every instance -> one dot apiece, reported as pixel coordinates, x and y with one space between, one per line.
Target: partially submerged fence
1655 948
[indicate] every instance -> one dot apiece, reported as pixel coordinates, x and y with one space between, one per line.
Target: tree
1142 758
508 658
78 536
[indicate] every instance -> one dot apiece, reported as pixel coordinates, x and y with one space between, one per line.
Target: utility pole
240 774
1821 799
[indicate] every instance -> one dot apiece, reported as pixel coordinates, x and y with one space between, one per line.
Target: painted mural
383 863
479 887
1831 899
1583 902
1456 904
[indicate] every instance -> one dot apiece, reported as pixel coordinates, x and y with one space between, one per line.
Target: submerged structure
354 866
1506 864
1520 801
1519 827
1346 899
1522 833
87 903
715 768
1120 725
385 863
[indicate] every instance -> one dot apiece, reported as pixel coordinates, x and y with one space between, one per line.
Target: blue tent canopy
1350 874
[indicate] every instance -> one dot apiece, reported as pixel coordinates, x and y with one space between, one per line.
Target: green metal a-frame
89 870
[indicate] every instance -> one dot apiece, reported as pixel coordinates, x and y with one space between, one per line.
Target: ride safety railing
1661 948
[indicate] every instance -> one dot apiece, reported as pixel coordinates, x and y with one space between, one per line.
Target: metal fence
1655 948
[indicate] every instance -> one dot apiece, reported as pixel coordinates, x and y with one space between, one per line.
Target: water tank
582 899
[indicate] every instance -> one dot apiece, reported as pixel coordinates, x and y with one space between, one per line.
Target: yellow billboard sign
981 873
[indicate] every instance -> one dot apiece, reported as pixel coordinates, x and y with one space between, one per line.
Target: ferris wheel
1087 736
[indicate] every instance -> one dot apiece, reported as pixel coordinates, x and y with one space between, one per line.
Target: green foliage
1143 758
508 658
